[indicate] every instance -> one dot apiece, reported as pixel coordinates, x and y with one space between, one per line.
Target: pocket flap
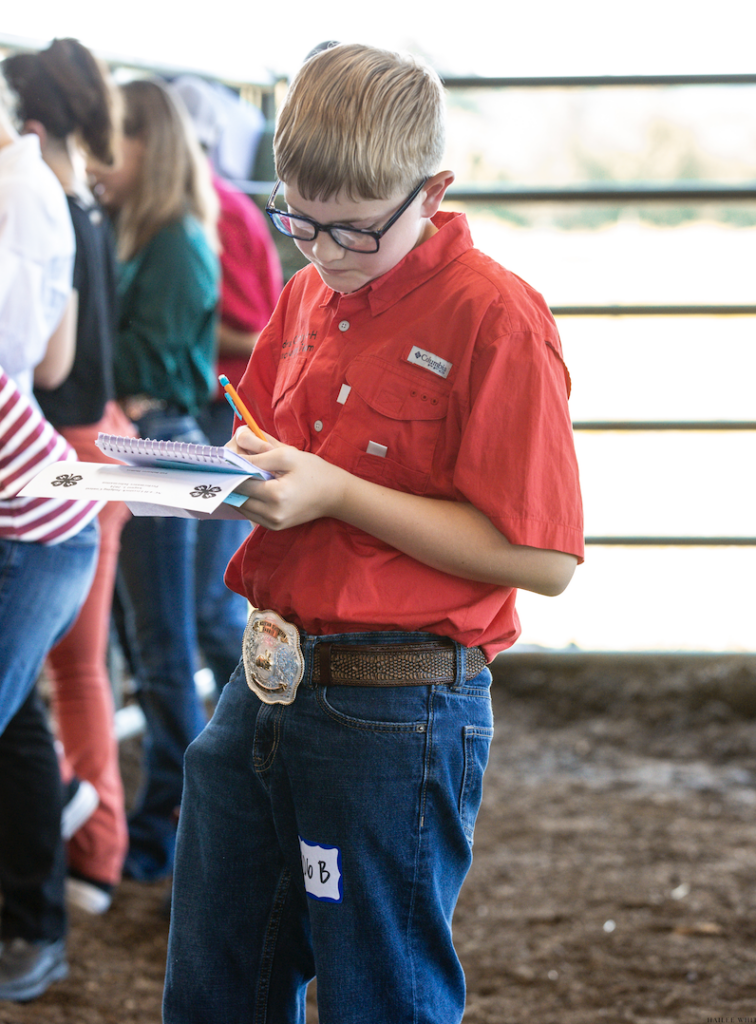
397 392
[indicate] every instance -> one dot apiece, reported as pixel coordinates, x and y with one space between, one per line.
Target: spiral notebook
143 451
154 478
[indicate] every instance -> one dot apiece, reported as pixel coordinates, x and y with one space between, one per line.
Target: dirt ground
614 859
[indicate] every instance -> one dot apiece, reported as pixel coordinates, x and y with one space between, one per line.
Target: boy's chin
344 281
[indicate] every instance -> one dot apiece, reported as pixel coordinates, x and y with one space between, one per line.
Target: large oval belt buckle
273 659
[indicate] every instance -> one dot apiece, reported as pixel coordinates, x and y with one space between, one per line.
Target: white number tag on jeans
321 867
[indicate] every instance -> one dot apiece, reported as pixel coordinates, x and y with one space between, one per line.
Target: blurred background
609 158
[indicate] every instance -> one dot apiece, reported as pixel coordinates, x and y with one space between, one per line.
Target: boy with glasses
415 400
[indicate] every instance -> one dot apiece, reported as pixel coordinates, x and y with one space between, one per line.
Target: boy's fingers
248 443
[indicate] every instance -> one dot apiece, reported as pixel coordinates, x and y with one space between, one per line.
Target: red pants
82 696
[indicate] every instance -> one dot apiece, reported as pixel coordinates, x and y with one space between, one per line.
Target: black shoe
27 969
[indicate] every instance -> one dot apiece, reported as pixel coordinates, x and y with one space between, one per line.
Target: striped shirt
28 443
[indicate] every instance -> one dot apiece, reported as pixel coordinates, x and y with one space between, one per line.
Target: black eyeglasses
293 225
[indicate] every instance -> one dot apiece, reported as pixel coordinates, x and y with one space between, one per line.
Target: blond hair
360 121
174 176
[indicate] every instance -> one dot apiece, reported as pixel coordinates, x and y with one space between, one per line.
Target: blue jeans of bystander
157 567
42 587
221 614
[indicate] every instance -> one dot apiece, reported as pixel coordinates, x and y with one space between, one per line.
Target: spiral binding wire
183 451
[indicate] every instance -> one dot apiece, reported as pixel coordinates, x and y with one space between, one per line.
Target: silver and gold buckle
273 659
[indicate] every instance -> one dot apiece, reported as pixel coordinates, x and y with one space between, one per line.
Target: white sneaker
87 896
81 803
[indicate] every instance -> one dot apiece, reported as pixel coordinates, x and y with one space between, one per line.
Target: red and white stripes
28 443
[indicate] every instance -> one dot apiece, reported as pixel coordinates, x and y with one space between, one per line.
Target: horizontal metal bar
672 542
655 425
593 81
710 310
607 194
578 194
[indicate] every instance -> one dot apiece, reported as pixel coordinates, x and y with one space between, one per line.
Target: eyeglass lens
304 230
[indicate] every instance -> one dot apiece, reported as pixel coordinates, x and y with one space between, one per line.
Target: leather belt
408 664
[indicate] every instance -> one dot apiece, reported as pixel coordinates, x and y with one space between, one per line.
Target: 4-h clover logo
205 491
66 480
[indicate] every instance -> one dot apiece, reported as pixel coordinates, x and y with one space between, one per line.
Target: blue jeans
335 831
157 567
42 587
221 614
41 590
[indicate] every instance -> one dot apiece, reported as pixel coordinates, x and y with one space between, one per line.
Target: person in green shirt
165 211
168 292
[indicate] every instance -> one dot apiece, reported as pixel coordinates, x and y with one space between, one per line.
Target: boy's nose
325 250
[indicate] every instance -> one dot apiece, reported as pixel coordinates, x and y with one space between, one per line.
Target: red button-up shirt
442 378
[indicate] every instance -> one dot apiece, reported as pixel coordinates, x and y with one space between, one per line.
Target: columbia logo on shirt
431 362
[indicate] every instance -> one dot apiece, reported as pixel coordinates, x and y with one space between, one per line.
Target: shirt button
318 424
344 325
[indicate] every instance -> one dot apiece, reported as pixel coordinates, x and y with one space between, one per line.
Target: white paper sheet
196 490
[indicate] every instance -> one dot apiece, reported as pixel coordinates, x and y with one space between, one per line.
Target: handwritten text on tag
321 867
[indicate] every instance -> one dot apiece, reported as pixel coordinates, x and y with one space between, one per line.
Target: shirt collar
450 241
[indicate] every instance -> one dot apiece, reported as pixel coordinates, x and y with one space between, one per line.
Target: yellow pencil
239 407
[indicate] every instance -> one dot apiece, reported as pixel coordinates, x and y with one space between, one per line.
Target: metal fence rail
594 81
687 310
673 542
638 193
678 193
656 425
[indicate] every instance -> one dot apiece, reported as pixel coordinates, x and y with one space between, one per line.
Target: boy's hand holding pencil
303 486
271 508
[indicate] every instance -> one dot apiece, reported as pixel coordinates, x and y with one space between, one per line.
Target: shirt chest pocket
390 424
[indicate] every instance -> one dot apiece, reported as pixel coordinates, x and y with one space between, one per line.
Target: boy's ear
435 190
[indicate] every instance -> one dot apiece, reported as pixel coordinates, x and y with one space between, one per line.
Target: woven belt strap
408 664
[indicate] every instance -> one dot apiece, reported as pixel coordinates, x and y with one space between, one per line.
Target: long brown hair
174 177
66 89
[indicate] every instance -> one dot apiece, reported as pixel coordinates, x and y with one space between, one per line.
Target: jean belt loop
461 665
323 654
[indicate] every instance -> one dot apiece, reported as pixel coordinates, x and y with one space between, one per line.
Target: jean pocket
377 709
477 744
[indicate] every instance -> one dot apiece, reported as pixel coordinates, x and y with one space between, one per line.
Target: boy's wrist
338 484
